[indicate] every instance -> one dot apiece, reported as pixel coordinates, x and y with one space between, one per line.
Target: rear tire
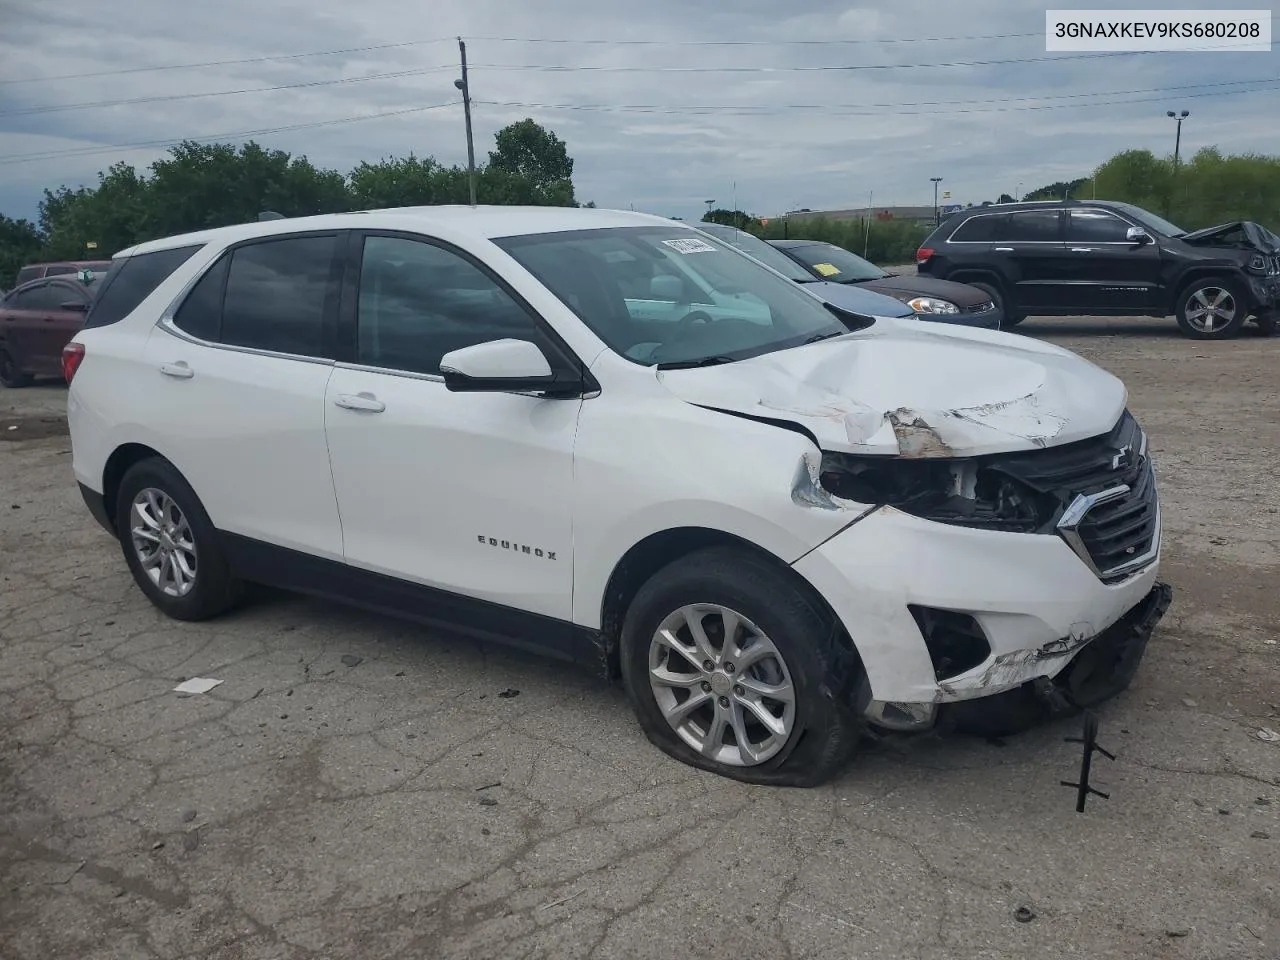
171 546
10 375
1007 318
1211 308
784 642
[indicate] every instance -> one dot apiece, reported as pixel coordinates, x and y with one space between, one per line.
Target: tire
157 488
1008 319
1225 319
10 376
805 653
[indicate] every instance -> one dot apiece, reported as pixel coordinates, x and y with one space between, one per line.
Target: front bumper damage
1101 669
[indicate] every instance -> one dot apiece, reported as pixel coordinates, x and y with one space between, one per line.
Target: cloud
641 120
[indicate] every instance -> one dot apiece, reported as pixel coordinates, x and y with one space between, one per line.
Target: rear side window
27 273
39 297
132 280
278 294
982 229
1032 226
58 270
201 313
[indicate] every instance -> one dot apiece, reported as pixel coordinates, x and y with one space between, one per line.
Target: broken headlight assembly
967 493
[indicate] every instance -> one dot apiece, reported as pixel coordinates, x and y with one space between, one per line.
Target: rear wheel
1211 309
10 375
170 544
732 668
1009 318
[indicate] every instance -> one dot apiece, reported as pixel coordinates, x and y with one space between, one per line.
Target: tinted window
1096 226
27 273
830 262
71 292
201 312
32 298
59 269
419 302
277 293
132 280
1033 226
982 229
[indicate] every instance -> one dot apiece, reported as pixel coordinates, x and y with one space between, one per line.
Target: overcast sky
788 137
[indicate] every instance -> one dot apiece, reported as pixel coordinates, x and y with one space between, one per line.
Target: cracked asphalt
358 787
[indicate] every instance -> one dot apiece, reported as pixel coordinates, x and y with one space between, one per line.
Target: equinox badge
517 547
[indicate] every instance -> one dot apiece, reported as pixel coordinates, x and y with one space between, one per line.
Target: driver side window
419 302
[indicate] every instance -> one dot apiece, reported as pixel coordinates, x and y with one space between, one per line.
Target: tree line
199 186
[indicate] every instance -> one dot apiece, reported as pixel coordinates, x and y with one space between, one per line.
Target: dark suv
1096 257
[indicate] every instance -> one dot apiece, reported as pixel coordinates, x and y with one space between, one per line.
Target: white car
605 436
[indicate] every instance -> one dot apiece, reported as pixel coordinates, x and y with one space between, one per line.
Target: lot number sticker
689 245
826 269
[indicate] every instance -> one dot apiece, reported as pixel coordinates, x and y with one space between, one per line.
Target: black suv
1096 257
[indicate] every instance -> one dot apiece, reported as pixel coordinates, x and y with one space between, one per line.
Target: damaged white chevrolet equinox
607 437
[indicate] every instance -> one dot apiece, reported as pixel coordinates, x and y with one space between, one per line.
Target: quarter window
201 312
419 302
278 294
1096 226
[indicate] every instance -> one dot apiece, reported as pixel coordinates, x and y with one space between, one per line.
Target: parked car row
617 440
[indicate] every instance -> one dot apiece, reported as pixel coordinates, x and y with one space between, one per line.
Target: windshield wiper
824 336
700 362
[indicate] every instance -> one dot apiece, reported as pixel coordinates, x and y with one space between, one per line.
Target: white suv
608 437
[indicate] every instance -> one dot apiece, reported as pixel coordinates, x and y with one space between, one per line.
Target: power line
173 141
59 108
838 68
852 111
226 63
777 108
552 40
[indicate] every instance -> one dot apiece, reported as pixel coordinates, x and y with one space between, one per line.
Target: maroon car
57 268
36 321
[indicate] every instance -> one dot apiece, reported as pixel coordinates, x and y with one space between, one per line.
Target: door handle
1082 249
360 401
178 369
1004 249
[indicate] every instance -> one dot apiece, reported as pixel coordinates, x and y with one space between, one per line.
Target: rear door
58 324
1108 272
1030 244
20 325
239 374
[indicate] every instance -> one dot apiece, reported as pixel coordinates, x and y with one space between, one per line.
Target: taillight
923 254
72 354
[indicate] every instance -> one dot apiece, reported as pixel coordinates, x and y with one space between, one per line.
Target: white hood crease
899 390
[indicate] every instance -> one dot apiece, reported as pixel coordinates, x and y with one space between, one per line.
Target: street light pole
464 85
936 219
1177 151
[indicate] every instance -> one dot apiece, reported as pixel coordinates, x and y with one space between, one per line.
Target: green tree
531 151
19 245
733 218
1062 190
398 182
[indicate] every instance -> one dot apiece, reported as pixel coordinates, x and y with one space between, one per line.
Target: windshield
835 263
765 252
670 296
1150 220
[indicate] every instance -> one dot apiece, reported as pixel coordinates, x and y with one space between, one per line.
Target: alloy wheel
1210 309
163 542
722 685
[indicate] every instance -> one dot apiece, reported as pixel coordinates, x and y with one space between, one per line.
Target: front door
1110 274
468 493
21 325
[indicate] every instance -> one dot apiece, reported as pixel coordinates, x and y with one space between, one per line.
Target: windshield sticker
826 269
689 245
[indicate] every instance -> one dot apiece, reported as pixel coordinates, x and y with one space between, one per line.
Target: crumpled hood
1237 232
901 388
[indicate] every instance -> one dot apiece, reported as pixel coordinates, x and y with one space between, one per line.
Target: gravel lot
360 788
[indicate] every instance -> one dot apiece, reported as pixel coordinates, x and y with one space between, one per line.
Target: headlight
932 305
967 493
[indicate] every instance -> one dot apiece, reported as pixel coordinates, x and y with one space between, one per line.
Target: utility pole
1177 150
936 219
464 85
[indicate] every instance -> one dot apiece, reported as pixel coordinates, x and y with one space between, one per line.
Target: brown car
38 271
36 321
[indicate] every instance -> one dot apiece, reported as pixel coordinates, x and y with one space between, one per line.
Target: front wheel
1211 309
10 375
731 667
1008 317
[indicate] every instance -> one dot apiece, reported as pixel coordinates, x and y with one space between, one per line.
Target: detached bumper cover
1102 669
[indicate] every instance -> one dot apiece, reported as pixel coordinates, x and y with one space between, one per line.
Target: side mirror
499 366
667 288
75 306
1137 235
